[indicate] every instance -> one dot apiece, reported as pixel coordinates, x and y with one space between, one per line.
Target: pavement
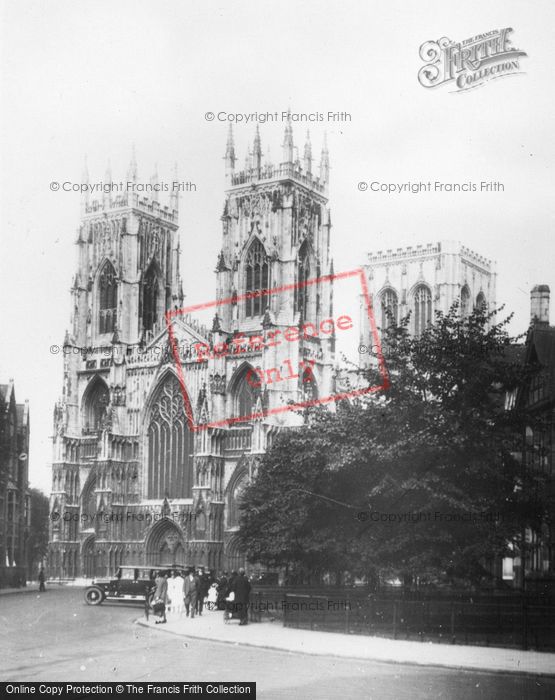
31 587
272 635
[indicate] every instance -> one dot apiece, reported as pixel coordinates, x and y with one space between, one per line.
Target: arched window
422 309
151 292
107 298
302 276
309 388
481 301
170 444
234 500
95 405
257 278
245 393
389 305
465 300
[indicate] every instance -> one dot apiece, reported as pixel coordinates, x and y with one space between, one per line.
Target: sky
83 79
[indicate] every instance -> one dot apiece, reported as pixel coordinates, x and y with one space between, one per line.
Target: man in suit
242 589
190 592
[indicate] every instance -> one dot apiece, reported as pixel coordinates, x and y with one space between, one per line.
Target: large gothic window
150 298
245 393
302 276
107 298
234 500
422 309
389 304
95 405
465 301
257 278
170 444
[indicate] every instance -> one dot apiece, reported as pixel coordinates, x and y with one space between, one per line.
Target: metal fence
506 621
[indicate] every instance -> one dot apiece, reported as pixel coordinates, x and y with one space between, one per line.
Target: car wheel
94 596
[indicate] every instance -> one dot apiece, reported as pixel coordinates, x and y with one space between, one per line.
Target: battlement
477 259
132 201
399 254
291 166
430 249
284 171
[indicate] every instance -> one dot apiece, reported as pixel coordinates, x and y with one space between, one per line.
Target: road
54 636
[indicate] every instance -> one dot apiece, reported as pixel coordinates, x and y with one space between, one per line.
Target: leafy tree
423 481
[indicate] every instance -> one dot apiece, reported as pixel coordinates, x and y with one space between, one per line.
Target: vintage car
128 583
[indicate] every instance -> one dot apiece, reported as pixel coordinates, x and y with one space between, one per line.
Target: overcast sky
93 78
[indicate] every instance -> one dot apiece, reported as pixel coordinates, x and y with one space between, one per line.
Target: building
536 548
14 487
131 482
422 280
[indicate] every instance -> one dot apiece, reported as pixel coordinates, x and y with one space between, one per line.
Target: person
204 584
190 592
175 593
160 597
241 587
222 590
42 579
212 597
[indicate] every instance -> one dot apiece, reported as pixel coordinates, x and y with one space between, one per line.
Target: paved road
56 637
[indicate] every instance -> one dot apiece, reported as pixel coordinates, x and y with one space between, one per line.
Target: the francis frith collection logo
469 63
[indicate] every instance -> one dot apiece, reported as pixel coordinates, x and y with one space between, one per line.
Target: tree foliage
423 480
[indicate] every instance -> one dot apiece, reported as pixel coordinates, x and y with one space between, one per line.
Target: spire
325 162
288 146
257 153
107 181
308 154
154 183
174 194
85 181
132 170
229 153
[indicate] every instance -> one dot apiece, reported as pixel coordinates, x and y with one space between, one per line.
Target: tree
37 544
421 481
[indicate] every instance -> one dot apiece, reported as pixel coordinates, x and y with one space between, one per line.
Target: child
212 597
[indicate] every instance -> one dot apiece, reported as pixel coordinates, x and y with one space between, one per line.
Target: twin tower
132 482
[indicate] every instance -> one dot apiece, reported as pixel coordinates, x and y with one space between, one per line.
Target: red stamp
277 361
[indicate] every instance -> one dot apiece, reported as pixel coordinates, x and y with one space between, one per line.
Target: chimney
539 304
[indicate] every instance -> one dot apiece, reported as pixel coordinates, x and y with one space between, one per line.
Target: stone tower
276 234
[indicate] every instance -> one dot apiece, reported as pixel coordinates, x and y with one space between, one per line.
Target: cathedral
133 481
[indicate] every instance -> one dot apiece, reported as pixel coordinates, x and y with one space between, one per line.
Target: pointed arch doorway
89 557
165 545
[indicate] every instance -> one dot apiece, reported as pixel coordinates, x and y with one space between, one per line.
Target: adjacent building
14 487
533 564
421 280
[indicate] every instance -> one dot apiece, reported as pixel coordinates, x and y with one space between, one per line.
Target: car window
127 574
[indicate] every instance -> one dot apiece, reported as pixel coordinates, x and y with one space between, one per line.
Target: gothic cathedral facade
132 480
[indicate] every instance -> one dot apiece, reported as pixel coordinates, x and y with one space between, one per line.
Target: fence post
395 604
452 622
347 615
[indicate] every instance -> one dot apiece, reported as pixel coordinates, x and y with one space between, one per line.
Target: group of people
175 593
